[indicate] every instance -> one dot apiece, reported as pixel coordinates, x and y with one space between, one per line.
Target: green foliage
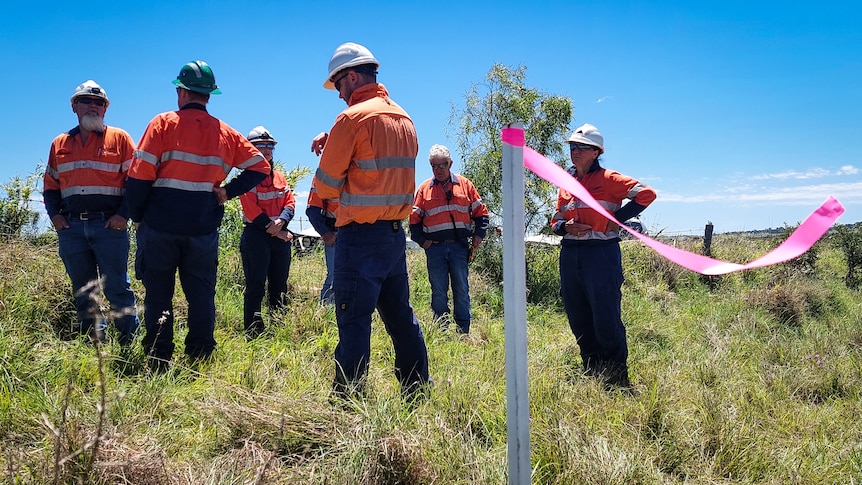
501 99
849 240
543 275
805 263
295 174
17 218
542 265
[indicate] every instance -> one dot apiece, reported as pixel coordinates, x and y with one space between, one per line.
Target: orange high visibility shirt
193 151
609 188
87 177
328 206
449 214
270 198
369 160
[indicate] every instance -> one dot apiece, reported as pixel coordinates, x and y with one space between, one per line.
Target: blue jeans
196 259
591 277
371 271
89 249
265 260
327 294
445 260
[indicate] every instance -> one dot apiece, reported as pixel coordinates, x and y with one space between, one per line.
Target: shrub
16 216
542 266
849 240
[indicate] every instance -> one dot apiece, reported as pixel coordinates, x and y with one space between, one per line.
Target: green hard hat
197 76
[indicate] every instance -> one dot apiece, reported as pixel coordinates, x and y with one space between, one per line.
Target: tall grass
752 377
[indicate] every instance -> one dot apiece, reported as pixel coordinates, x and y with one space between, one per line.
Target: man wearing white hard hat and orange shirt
591 271
84 194
368 163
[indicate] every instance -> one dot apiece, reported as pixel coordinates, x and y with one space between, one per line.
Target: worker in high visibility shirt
591 269
84 194
265 246
174 190
449 221
368 163
321 215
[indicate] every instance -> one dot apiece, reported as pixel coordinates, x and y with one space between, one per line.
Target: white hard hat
261 135
347 55
588 134
90 88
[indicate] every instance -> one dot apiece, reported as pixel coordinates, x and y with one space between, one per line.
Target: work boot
97 336
615 376
158 365
253 324
416 392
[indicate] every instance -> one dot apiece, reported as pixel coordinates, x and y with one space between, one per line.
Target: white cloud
604 98
812 173
804 195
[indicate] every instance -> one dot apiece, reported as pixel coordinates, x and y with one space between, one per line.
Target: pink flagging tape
801 240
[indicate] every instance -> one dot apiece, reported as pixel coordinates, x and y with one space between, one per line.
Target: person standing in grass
449 221
368 163
591 272
174 190
265 242
84 194
321 214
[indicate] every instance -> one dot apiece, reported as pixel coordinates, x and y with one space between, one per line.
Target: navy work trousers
266 263
196 259
591 278
371 271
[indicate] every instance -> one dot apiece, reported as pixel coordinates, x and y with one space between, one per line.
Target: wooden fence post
707 239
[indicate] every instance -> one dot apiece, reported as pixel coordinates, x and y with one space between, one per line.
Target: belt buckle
84 216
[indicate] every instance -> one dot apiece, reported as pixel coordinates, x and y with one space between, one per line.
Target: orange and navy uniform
268 201
181 157
609 188
88 177
369 161
447 212
321 212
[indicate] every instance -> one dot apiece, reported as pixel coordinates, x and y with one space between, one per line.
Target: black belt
394 225
90 216
444 241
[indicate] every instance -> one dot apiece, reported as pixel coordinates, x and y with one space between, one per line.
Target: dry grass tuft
397 461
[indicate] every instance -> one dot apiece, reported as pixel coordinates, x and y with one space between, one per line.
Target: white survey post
515 312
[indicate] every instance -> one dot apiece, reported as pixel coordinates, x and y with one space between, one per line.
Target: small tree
16 215
546 119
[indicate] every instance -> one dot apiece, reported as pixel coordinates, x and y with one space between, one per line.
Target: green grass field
753 377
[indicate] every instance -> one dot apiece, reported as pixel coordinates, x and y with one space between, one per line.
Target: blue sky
739 113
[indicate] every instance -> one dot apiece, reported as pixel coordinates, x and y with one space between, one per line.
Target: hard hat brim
361 61
196 89
578 138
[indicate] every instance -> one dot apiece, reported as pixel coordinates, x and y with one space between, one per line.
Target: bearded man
84 194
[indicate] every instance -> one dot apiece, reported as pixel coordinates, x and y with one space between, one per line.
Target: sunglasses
439 165
96 101
575 146
265 145
336 82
